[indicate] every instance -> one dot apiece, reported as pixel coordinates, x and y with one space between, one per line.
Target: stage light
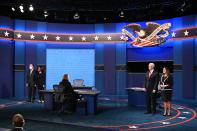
31 8
183 7
121 14
76 16
45 14
22 11
13 9
21 7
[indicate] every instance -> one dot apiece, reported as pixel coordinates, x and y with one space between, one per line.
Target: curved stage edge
181 114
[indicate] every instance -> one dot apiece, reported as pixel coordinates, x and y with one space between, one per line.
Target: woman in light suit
165 85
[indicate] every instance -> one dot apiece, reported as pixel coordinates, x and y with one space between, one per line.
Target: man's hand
153 91
26 84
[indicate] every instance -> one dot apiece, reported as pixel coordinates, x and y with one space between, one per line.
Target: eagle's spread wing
151 26
134 27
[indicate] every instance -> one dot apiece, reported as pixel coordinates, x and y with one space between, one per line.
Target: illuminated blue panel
78 63
6 22
119 27
19 25
41 47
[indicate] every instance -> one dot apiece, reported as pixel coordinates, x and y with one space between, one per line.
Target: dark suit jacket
168 81
68 90
67 87
40 79
151 83
31 78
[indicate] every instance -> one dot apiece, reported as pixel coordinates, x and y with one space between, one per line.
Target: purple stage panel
110 69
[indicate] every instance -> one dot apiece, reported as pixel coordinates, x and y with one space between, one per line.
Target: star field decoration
143 38
185 33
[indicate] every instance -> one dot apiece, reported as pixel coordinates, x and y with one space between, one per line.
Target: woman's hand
162 86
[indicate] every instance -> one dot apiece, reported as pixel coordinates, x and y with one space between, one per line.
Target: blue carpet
111 116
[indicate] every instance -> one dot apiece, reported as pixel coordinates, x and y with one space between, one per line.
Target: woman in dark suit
40 83
165 84
70 95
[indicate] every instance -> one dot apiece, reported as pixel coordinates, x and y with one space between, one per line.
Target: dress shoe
168 114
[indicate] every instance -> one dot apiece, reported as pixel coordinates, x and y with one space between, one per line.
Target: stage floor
111 116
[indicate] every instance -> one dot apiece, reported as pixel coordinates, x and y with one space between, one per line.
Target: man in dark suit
31 83
150 85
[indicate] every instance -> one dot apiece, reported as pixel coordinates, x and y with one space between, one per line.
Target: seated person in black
70 97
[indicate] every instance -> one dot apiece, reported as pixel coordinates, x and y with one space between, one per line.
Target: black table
91 97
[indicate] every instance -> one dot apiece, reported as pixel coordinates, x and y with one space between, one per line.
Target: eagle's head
141 33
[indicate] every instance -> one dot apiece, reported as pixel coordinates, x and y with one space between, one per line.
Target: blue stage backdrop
78 63
111 76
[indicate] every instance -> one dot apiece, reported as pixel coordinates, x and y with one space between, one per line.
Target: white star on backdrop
109 37
96 37
19 35
70 38
186 33
32 36
45 37
122 37
173 34
57 38
83 38
6 33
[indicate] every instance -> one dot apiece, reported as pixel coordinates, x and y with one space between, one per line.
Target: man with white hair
150 85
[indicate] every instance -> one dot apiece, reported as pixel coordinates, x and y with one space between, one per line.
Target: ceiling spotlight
22 11
13 9
121 14
182 9
46 14
31 8
76 16
21 7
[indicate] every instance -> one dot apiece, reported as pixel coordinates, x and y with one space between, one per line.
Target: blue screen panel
78 63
